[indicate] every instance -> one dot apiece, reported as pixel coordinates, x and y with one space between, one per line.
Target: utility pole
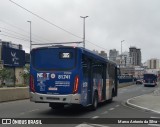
121 50
121 46
84 29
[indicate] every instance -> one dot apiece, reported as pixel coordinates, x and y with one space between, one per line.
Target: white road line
111 109
94 117
117 105
91 125
99 125
22 113
33 110
104 112
154 125
144 108
84 125
154 117
120 92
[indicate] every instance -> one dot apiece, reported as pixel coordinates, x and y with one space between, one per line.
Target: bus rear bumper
149 84
45 98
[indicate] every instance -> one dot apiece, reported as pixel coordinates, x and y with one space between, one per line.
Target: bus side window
107 72
85 66
111 70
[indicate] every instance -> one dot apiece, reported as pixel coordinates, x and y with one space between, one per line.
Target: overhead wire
15 34
51 23
44 19
14 37
12 34
37 36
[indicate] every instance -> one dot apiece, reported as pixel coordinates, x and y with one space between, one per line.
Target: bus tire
111 99
95 102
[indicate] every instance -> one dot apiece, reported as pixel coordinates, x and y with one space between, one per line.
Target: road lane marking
117 106
84 125
90 125
22 113
143 108
95 125
111 109
104 112
94 117
120 92
154 125
154 117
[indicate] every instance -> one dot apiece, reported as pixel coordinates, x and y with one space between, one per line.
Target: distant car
139 81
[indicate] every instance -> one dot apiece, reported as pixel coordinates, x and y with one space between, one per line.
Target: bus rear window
151 76
53 58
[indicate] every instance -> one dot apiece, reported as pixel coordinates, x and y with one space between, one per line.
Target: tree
25 75
4 75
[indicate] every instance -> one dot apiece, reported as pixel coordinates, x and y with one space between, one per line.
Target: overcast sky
109 22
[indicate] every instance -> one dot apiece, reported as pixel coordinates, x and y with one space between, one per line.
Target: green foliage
5 74
25 74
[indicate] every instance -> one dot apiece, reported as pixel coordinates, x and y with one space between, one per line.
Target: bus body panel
54 79
149 79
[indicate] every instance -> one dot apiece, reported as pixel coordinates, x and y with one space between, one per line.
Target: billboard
13 57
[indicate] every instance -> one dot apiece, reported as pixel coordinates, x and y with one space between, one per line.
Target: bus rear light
32 88
76 83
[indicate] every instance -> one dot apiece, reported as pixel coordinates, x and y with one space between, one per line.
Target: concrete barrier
120 85
19 93
11 94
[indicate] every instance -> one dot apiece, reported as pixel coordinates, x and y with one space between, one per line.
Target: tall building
124 59
95 51
136 56
153 63
113 54
103 54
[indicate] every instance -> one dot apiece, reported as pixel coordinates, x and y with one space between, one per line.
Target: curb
139 107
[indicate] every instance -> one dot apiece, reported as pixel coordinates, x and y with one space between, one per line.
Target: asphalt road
116 109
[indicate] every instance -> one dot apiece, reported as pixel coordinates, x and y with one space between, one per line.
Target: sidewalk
147 102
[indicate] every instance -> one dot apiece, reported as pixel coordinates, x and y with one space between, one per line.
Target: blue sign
13 57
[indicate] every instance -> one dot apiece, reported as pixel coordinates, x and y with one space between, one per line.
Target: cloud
110 21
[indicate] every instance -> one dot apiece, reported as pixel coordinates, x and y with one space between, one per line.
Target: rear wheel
95 102
111 99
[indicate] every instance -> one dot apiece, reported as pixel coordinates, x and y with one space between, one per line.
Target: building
95 51
135 54
113 54
12 57
103 54
139 71
153 63
124 59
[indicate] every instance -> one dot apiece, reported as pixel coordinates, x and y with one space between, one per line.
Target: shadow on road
71 110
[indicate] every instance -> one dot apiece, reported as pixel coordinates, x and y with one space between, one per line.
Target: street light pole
121 51
0 39
30 35
121 46
84 29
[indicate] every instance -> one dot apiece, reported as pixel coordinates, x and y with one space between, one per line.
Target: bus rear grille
52 98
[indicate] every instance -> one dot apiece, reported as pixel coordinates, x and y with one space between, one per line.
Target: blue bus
61 75
149 79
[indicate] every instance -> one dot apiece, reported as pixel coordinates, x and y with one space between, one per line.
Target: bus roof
87 52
